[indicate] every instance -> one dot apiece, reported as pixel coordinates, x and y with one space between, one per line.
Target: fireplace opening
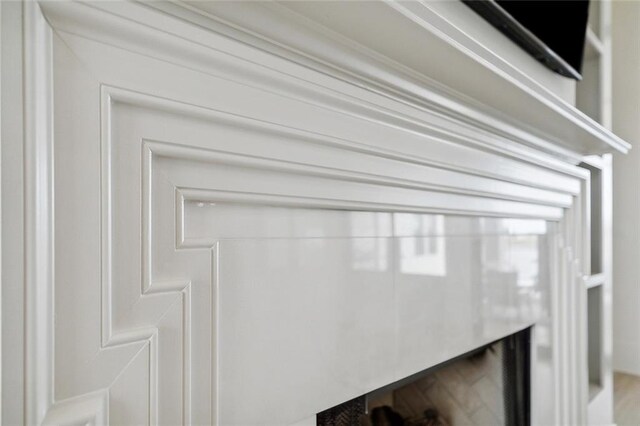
487 386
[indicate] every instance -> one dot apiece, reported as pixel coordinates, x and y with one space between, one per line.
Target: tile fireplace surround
247 213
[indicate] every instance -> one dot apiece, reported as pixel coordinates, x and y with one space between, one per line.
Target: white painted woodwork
244 214
600 286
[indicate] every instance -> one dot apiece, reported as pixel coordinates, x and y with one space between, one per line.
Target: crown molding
508 106
407 64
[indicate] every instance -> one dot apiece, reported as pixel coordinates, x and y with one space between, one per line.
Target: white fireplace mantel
201 182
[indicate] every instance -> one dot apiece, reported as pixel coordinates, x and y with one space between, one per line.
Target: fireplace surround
487 386
248 213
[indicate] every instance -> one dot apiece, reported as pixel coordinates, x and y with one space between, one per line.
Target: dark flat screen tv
553 31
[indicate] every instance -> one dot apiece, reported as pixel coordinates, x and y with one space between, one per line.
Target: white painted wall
626 180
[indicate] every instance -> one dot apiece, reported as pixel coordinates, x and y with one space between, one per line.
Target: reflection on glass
369 253
512 272
525 226
524 259
423 255
513 226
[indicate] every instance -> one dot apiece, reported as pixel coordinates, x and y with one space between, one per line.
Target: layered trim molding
513 110
428 62
530 173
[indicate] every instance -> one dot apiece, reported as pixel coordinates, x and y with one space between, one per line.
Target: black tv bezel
509 26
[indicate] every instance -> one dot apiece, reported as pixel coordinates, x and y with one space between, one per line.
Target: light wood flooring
626 398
